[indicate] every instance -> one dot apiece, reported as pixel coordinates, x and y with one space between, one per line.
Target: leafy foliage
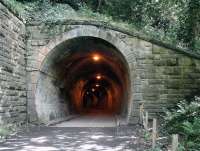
185 121
34 9
192 133
6 130
173 21
189 31
178 19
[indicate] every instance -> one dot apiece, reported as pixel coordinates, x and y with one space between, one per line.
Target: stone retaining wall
159 76
12 68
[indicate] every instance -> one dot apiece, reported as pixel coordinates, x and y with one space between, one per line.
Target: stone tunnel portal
84 75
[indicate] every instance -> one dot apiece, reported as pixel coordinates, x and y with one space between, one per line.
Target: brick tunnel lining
84 75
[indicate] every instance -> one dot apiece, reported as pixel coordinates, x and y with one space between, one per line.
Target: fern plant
184 120
192 134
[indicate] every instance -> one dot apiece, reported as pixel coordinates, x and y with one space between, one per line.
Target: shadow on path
77 139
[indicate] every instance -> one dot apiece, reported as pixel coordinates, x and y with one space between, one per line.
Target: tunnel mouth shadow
83 76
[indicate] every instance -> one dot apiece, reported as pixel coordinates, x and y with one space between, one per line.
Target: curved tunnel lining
74 65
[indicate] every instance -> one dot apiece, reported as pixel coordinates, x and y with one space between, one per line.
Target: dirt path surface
89 121
77 139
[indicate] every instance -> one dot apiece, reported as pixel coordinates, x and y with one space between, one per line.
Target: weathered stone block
172 71
12 67
159 50
159 62
172 62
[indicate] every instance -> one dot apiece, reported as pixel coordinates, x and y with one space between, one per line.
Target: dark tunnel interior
91 75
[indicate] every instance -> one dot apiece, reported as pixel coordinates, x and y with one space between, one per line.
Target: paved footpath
90 121
126 138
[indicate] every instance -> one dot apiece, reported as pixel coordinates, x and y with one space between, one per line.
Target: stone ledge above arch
89 31
126 31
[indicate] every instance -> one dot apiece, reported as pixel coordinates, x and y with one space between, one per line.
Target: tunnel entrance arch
85 58
84 75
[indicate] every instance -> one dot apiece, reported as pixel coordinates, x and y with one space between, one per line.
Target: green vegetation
176 22
33 10
6 130
155 149
184 120
147 136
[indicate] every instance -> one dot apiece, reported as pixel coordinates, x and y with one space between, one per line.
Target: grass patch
7 130
4 132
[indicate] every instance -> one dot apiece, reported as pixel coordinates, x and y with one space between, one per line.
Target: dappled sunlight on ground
76 139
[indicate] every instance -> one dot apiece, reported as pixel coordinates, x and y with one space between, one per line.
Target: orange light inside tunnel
98 77
95 71
96 57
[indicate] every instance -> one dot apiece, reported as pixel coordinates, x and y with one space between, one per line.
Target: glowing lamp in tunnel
93 89
98 77
96 57
97 85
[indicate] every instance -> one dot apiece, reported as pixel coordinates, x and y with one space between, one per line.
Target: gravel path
77 139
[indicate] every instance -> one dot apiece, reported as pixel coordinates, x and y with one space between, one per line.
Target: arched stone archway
54 50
